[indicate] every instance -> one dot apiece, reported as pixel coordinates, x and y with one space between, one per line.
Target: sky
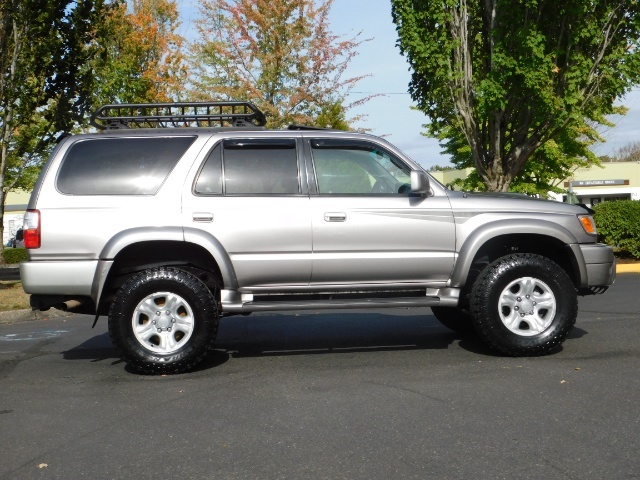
390 115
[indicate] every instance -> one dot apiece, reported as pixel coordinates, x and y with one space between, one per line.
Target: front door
367 226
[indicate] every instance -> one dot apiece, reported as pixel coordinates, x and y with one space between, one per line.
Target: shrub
14 255
618 225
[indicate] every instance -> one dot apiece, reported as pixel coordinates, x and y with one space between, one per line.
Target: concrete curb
628 268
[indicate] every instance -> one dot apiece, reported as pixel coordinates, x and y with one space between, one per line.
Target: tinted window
120 166
210 177
357 168
260 167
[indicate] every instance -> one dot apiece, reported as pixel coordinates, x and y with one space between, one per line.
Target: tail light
31 229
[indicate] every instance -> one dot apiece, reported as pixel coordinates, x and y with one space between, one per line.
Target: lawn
12 297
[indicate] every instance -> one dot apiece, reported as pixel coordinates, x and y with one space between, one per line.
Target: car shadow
315 333
329 332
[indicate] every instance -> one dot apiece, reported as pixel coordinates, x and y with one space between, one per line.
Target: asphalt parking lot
354 395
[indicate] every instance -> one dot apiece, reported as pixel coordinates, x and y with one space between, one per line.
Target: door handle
202 217
335 217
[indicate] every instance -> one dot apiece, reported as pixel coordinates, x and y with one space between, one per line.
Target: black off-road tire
163 320
524 305
456 319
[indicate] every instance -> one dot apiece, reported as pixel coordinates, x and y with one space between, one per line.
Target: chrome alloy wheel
527 306
163 322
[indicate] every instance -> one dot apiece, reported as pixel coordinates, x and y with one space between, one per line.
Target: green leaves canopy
507 76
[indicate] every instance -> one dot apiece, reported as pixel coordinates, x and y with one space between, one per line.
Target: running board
332 304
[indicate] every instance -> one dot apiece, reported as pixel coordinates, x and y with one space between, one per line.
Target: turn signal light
588 224
31 228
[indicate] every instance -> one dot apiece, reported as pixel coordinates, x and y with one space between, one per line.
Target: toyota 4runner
166 229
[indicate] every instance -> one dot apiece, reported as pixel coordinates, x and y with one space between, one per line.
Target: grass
12 297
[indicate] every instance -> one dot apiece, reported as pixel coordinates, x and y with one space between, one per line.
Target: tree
141 54
44 85
547 169
510 76
278 54
627 153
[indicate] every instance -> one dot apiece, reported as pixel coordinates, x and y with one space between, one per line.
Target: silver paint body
296 243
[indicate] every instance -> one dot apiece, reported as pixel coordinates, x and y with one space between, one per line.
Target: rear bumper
58 278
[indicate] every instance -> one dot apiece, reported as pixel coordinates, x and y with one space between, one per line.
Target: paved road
354 395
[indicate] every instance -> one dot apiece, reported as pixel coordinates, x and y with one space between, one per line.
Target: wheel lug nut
534 303
173 320
527 296
168 313
157 313
153 321
531 312
517 307
522 314
168 329
519 299
159 330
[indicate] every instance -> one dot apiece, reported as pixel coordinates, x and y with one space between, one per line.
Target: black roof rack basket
179 114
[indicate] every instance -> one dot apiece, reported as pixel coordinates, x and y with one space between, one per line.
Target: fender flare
499 228
132 236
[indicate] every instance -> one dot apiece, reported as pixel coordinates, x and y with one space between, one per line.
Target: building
612 181
14 208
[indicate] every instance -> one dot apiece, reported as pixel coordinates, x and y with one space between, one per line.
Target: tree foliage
507 82
278 54
44 85
141 54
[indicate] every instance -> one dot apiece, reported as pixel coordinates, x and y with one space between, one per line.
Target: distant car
17 241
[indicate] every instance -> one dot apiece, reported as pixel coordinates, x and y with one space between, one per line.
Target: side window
250 167
210 177
120 166
345 167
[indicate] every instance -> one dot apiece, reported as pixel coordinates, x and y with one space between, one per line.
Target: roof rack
295 126
179 114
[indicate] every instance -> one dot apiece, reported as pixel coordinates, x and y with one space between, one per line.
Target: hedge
618 224
14 255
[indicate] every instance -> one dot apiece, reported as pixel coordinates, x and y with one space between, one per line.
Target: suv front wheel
163 320
524 304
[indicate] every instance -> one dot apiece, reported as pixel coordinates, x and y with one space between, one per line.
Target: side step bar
336 304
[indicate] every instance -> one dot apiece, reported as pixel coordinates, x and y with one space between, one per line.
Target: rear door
367 226
249 195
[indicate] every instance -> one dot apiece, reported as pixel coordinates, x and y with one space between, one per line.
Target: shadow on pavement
320 333
265 335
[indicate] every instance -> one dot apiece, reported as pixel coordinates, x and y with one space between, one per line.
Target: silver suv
166 229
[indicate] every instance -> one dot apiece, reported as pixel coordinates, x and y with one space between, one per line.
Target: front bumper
600 266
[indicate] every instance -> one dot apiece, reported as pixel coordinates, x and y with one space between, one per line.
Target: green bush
618 225
14 255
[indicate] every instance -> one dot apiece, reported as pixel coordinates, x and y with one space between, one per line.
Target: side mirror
420 182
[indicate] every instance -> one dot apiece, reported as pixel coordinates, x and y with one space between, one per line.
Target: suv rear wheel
524 304
163 320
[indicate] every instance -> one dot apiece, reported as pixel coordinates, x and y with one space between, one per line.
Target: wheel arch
139 249
500 238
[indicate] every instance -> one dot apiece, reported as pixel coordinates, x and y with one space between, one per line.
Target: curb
628 268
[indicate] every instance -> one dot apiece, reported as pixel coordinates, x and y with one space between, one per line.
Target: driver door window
358 170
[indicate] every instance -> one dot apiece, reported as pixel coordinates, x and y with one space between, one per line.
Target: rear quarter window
120 166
